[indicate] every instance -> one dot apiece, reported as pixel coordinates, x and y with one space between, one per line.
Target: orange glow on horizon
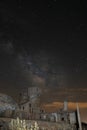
57 105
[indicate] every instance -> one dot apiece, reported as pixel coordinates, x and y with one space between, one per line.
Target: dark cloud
7 48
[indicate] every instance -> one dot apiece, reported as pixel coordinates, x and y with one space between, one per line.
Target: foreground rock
7 105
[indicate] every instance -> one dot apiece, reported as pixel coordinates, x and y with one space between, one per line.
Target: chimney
65 105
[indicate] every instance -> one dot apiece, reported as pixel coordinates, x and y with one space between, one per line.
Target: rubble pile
17 124
22 125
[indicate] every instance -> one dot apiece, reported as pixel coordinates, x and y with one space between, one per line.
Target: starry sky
43 43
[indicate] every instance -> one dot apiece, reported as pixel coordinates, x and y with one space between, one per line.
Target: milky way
43 44
22 69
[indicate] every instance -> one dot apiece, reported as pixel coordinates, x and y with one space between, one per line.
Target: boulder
7 105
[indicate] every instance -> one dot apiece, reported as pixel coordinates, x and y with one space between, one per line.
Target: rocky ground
43 125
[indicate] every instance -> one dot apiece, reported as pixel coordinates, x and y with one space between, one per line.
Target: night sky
43 43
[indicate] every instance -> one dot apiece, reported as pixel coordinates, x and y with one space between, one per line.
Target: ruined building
29 105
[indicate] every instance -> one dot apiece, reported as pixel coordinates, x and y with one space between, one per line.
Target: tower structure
65 106
34 96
